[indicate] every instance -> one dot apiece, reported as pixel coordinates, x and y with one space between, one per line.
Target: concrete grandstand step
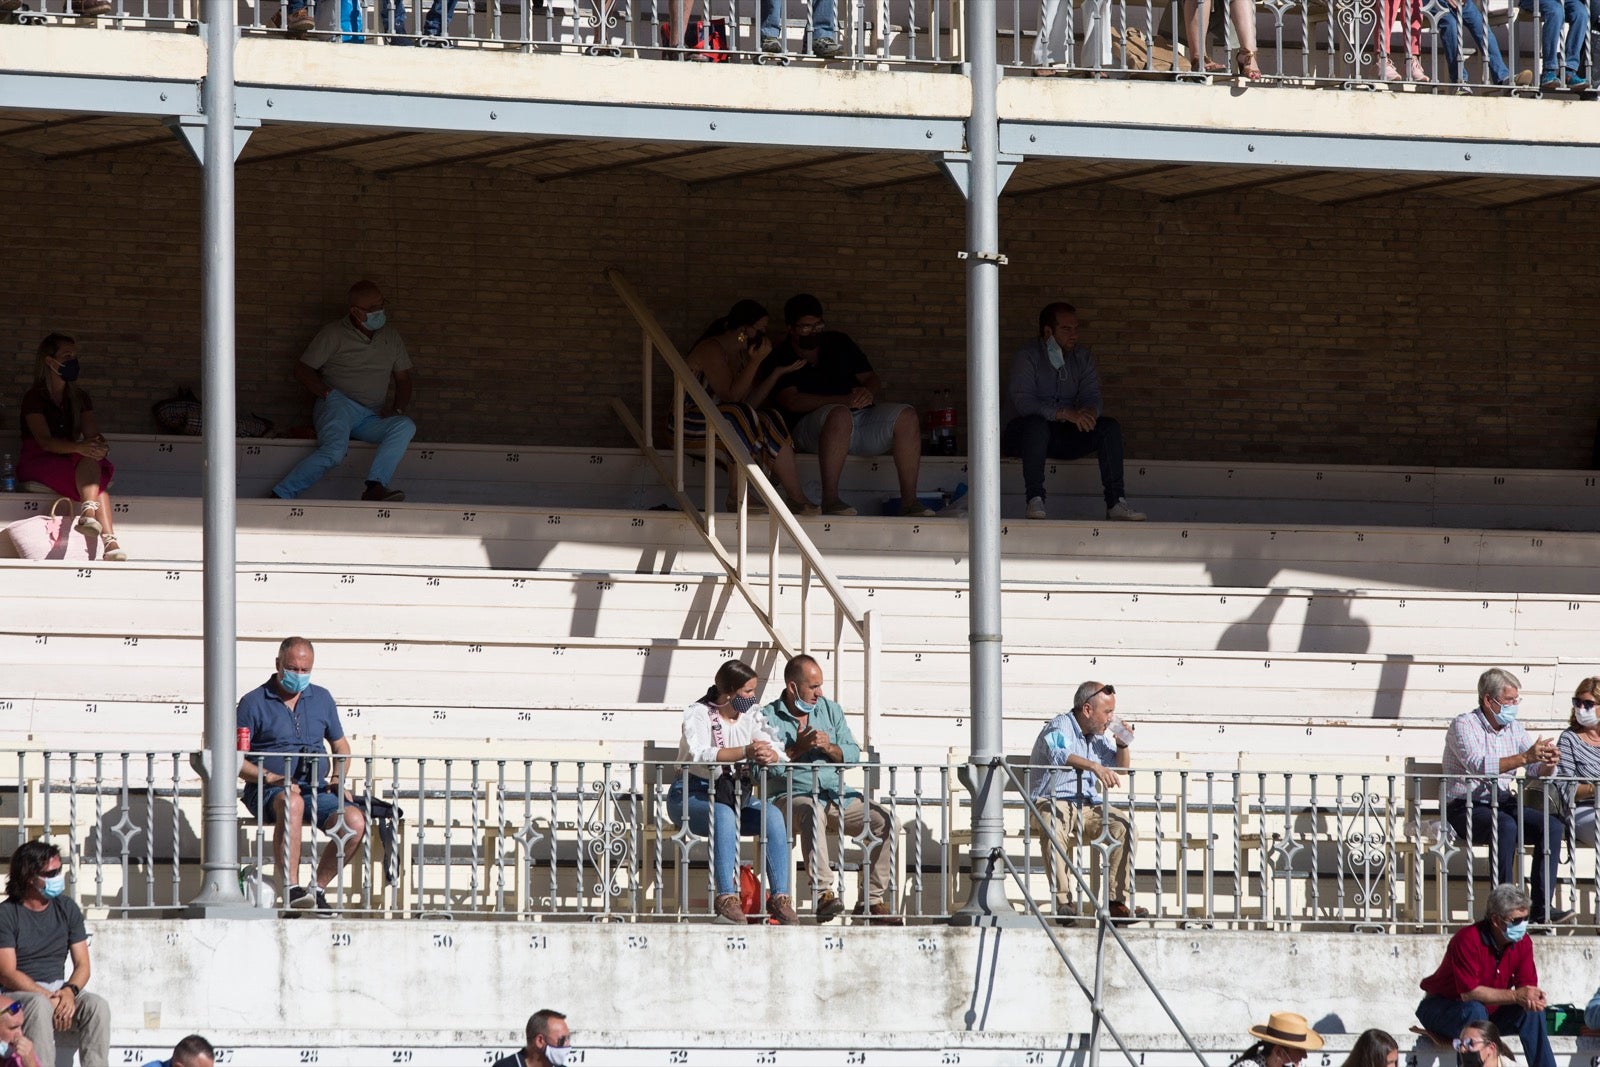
1171 490
445 537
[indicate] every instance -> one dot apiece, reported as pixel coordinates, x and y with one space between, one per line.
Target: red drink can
244 739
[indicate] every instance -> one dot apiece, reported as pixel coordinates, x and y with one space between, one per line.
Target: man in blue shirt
816 737
283 724
1054 412
1075 760
192 1051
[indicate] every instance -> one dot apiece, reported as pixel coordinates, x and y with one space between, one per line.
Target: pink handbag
52 537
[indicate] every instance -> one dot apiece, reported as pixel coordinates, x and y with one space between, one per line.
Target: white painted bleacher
520 610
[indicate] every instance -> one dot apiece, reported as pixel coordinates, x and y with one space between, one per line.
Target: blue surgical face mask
1507 714
5 1047
742 704
54 886
803 708
68 370
294 682
1517 931
1058 358
376 320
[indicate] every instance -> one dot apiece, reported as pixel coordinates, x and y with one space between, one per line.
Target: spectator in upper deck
1553 14
1196 17
1451 15
348 367
824 27
1054 412
728 360
1483 751
833 405
62 446
1579 769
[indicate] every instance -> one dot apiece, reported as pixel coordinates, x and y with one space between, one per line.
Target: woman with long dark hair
1374 1048
725 743
62 447
727 361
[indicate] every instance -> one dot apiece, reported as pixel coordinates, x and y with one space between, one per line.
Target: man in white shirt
348 367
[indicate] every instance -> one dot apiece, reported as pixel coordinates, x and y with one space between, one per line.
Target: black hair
190 1049
27 863
730 678
539 1024
799 306
742 314
1047 316
1371 1049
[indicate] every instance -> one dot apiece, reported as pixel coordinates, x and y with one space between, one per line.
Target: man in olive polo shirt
348 367
818 804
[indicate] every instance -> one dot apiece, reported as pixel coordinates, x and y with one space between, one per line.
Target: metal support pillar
987 904
219 894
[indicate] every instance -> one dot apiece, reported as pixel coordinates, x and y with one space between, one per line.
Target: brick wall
1412 330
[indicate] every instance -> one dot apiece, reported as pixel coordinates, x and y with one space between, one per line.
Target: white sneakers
1121 512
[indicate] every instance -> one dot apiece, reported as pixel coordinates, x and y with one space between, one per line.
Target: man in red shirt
1488 973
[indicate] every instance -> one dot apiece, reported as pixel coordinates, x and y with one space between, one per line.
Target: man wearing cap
1075 760
289 778
834 406
1285 1039
1488 973
549 1042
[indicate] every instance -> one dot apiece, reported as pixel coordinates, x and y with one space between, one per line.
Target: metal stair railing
747 476
1095 990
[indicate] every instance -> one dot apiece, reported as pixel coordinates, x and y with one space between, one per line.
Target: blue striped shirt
1060 738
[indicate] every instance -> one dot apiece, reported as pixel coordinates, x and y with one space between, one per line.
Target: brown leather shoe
781 908
729 911
829 907
882 916
1122 915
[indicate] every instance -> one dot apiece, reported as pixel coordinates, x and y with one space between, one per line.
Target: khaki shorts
872 434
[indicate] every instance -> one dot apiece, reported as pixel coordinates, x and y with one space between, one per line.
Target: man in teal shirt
816 736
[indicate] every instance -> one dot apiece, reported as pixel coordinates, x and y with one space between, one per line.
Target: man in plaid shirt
1482 753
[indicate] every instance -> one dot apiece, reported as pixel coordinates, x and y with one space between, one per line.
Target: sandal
802 506
112 551
88 523
1207 66
1247 65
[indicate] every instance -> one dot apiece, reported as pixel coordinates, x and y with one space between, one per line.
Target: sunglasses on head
1108 690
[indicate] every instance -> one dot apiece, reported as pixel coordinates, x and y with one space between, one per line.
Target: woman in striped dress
727 361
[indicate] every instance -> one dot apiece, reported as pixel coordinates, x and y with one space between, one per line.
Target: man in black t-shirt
831 405
40 930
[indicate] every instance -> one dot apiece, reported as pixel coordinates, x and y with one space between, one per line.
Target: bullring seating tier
446 623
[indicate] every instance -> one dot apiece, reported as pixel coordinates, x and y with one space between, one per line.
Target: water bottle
8 476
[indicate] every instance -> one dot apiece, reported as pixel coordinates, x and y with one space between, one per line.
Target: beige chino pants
817 821
1073 825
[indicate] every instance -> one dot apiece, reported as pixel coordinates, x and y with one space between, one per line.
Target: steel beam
99 95
1310 151
623 122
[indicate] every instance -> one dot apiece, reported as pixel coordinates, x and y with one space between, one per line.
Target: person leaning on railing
1196 16
1488 973
1483 751
62 447
816 735
1579 745
725 741
1081 748
727 361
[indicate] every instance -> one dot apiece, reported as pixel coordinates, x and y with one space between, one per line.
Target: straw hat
1289 1030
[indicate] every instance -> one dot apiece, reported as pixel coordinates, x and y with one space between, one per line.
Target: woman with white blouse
725 741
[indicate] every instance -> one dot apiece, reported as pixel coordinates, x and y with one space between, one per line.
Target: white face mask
557 1054
1585 717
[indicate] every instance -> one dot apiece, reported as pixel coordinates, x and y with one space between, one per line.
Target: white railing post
869 677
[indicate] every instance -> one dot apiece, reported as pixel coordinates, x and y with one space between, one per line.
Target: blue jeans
394 17
1450 39
1552 13
1446 1016
338 419
698 807
1033 438
823 25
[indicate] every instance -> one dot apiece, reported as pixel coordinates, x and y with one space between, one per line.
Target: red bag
707 41
750 894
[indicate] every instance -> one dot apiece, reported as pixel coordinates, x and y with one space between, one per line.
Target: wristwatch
76 991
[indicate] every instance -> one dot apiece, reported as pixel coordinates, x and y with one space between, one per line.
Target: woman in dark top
62 447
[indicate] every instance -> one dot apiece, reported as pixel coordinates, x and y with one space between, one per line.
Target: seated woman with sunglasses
1579 745
1480 1045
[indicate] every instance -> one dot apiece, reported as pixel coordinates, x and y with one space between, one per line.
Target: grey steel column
219 892
988 900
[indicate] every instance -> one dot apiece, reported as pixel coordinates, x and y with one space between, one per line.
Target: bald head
365 292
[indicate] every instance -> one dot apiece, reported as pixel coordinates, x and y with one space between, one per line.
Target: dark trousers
1034 438
1446 1016
1494 823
